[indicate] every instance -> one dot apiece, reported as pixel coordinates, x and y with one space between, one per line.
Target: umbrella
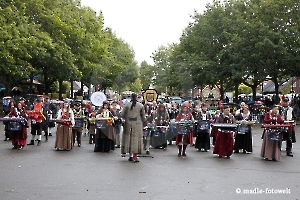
232 105
259 102
255 103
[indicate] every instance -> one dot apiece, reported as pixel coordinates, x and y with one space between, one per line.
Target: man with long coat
132 140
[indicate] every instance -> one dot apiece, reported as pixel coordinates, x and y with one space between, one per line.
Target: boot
31 142
39 143
179 150
90 140
183 151
46 140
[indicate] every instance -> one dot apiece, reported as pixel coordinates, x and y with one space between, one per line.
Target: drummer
270 149
106 138
287 114
244 140
78 113
183 140
224 138
19 137
63 140
159 117
36 122
203 136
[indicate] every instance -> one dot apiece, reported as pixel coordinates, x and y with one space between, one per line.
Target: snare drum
78 123
14 125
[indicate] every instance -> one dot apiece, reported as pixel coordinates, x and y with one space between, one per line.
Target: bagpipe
35 114
14 123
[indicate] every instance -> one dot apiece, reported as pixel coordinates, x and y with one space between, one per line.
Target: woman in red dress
19 137
224 139
182 140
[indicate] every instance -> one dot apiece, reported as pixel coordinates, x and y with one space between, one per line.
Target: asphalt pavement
40 172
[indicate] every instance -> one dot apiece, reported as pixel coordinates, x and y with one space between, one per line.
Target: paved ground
40 172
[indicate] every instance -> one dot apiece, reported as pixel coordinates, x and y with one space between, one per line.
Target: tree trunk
276 84
72 86
8 85
60 89
236 93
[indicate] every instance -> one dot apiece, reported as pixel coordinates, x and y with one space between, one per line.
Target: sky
147 24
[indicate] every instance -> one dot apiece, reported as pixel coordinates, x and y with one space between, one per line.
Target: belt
132 119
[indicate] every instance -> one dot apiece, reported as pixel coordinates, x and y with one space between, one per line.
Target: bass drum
159 139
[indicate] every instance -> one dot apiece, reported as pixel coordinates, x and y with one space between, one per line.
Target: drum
159 138
242 129
224 126
182 129
14 125
101 124
274 135
203 126
78 123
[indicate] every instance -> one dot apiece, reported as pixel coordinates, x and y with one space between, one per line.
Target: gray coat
132 139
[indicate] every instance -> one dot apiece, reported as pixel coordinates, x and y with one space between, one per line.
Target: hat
285 99
273 106
225 107
22 98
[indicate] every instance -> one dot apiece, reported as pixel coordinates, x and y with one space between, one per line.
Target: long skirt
19 137
269 149
213 134
224 143
203 140
64 139
132 139
184 139
243 141
105 139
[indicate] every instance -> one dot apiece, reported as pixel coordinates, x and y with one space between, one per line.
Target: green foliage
60 40
244 89
236 42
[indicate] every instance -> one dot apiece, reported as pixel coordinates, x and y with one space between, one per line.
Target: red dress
224 140
19 137
184 139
